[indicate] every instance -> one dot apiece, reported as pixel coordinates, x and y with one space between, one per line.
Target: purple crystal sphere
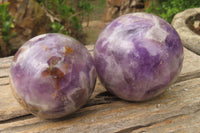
138 56
52 75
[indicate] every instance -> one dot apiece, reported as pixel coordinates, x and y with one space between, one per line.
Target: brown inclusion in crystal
68 50
53 71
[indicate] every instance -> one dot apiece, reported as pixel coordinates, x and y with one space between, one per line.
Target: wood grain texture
176 110
115 115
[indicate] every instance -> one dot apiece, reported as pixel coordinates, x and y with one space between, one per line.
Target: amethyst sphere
52 75
137 56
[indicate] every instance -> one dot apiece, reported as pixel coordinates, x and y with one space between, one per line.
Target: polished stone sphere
138 56
52 75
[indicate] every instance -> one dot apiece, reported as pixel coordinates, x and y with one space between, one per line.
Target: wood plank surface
176 110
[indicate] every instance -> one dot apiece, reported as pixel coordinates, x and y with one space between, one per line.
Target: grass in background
98 9
168 8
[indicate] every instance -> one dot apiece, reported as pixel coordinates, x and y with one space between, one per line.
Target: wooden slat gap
19 118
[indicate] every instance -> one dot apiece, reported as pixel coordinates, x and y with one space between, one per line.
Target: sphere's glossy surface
137 56
52 75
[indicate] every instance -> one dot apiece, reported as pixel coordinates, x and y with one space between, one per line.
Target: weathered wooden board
184 123
176 110
115 115
191 66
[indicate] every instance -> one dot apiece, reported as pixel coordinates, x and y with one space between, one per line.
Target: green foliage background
6 22
168 8
71 15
